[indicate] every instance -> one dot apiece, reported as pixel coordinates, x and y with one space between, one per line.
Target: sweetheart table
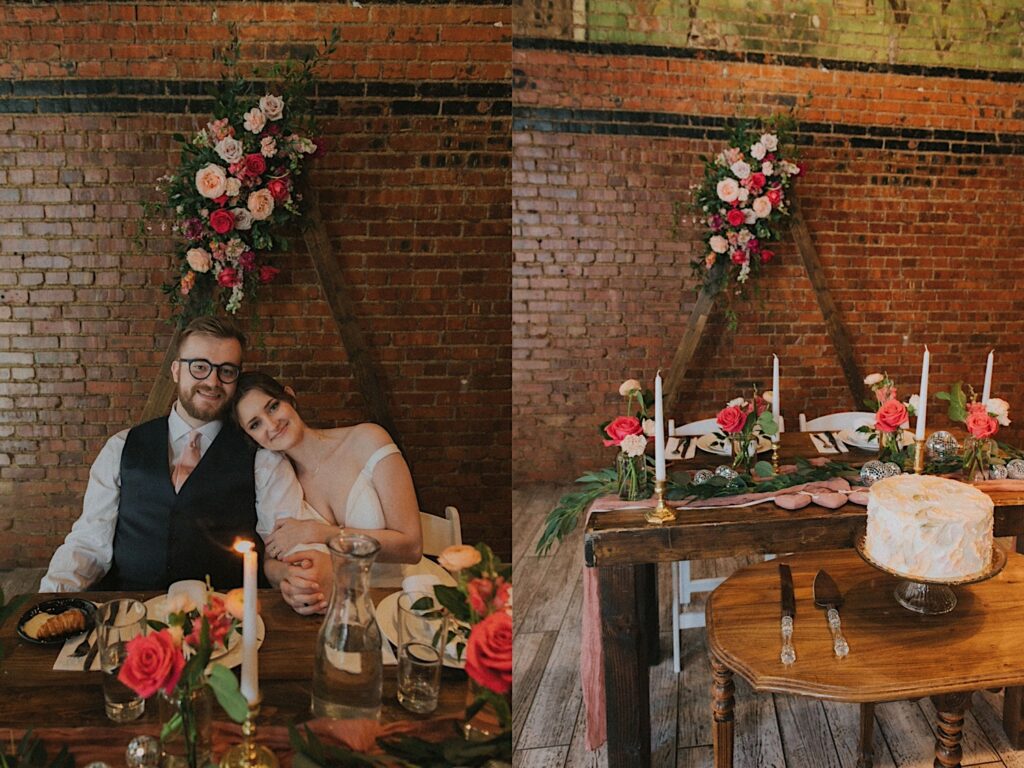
624 549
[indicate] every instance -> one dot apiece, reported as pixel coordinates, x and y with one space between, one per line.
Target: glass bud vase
186 737
486 722
631 476
977 457
743 453
347 670
890 446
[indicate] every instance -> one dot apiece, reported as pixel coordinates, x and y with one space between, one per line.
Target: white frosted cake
929 527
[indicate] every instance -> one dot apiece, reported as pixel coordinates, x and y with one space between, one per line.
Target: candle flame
241 545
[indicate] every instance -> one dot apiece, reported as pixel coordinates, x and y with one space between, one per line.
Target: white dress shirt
88 551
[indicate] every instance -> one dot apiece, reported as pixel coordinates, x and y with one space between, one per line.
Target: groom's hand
308 581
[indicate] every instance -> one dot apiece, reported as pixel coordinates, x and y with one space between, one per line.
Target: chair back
834 422
440 532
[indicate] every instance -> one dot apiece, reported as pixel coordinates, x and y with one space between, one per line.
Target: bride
354 479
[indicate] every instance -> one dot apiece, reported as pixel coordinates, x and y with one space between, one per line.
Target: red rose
736 217
153 663
254 164
622 427
278 189
222 221
767 256
732 419
217 619
229 277
979 423
890 416
480 592
268 273
489 653
739 257
220 200
774 197
755 182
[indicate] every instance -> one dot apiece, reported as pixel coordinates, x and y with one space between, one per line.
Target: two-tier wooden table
894 654
624 549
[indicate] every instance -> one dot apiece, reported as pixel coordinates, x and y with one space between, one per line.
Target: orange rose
458 557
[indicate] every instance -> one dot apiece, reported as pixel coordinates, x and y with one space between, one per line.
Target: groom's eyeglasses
201 369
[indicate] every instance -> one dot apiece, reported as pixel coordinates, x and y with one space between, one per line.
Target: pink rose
731 419
979 423
222 221
767 256
735 217
890 416
272 106
217 618
622 427
211 181
199 259
261 204
229 277
480 593
267 274
755 182
153 663
774 196
278 189
739 257
489 653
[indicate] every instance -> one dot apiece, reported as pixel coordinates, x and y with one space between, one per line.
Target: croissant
72 620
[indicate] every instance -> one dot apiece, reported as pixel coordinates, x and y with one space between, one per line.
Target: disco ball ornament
701 476
891 469
1015 469
727 472
941 446
998 472
871 472
142 752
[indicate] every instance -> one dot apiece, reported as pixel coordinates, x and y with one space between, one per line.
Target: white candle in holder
775 394
659 431
986 390
249 685
923 397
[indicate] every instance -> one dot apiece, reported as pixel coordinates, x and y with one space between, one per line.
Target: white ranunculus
230 149
740 169
254 120
648 427
272 106
211 181
243 219
1000 409
743 195
633 445
234 186
629 385
718 244
728 190
749 217
873 378
757 151
767 168
770 141
762 207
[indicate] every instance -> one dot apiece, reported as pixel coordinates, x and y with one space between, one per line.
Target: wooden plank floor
772 731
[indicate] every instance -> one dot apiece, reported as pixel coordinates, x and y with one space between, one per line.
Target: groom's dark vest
163 536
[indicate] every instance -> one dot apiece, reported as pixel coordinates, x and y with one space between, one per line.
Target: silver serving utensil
83 647
828 596
787 602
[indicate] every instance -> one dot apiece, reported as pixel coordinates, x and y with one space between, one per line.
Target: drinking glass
117 622
422 636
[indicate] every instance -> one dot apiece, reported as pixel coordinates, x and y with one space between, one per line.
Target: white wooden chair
683 586
833 422
440 532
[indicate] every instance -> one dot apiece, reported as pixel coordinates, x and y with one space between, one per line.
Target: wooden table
35 695
894 654
625 548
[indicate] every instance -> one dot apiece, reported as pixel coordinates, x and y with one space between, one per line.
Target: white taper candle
659 431
249 687
986 391
923 397
775 392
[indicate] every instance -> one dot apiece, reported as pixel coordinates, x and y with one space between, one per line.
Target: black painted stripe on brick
126 96
755 57
658 124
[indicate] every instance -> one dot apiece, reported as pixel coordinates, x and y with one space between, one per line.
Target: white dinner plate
390 575
231 655
712 444
867 443
387 620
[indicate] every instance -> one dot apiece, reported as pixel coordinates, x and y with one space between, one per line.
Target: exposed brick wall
909 196
415 194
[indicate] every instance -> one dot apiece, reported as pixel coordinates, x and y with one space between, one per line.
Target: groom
167 499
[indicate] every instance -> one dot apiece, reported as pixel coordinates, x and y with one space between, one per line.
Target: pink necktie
187 462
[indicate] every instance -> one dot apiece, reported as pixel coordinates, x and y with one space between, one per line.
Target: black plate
56 606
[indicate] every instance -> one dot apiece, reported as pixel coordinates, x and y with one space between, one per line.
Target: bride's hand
289 532
308 581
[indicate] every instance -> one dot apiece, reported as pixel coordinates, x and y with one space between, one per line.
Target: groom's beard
204 401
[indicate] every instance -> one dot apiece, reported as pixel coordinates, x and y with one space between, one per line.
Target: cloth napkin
67 663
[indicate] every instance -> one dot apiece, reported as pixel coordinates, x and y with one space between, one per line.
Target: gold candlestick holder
249 753
662 512
918 457
775 455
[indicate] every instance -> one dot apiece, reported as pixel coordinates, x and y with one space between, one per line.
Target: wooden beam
332 280
687 346
164 388
833 322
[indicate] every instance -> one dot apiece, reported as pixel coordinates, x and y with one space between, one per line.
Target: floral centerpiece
235 189
483 600
980 450
743 203
892 416
630 434
175 661
742 422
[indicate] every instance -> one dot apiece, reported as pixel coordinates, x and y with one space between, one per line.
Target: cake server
828 596
788 655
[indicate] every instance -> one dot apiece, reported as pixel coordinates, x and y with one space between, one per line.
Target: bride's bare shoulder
360 440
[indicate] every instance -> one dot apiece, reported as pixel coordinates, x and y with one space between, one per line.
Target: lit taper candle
986 391
922 394
659 431
775 393
249 686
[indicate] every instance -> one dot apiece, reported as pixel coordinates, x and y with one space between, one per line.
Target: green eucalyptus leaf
225 688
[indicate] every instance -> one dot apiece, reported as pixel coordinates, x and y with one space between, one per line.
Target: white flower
914 403
272 106
268 146
873 378
757 151
254 120
199 259
744 236
718 244
1000 409
629 385
770 141
633 445
728 190
230 149
769 396
243 219
767 168
762 207
789 169
261 204
234 186
648 426
749 216
740 169
211 181
736 401
743 195
744 273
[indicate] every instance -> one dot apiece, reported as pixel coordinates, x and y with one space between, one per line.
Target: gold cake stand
931 597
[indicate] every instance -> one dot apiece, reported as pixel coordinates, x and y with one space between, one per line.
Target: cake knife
788 655
828 596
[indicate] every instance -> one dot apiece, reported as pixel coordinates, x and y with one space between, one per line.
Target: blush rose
489 653
979 423
890 416
731 419
153 663
622 427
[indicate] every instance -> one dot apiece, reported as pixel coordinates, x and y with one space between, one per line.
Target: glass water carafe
347 671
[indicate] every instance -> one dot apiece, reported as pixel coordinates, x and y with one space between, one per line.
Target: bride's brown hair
257 381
